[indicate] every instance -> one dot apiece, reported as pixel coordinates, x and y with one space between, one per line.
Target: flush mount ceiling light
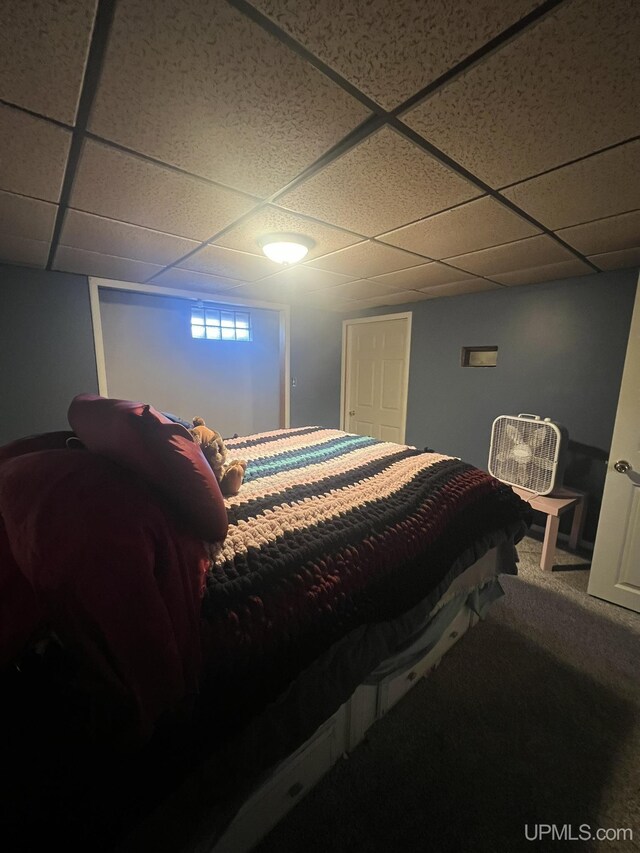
285 248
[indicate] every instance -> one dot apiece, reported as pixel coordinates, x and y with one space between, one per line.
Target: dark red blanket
89 555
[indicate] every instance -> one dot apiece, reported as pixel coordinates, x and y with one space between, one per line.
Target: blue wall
561 353
316 354
46 349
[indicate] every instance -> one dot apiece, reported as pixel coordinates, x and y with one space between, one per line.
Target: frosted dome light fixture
285 248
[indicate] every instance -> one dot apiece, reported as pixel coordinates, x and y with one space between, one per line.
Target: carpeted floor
532 719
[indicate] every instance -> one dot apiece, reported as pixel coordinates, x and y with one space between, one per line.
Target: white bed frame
297 774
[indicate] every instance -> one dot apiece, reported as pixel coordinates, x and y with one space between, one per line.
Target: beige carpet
533 718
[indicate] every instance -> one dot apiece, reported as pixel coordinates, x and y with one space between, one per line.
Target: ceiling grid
427 149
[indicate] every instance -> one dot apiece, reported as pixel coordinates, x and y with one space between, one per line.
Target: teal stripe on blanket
290 459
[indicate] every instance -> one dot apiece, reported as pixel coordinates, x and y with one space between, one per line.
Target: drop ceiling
427 148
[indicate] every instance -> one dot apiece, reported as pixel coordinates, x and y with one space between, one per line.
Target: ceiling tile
604 235
523 255
363 289
397 298
21 250
69 259
110 237
426 275
365 260
272 220
263 291
617 260
191 280
202 87
476 225
545 272
122 186
458 288
391 56
229 263
43 51
383 182
306 278
27 218
34 154
558 91
326 300
599 186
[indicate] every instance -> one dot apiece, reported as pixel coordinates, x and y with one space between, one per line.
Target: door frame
403 315
96 283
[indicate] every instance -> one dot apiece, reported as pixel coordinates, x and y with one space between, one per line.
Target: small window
218 324
479 357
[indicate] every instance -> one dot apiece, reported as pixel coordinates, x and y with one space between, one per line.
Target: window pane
197 331
242 335
227 319
242 321
213 318
197 316
213 333
228 334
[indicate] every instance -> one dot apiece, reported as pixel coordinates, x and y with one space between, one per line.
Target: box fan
528 452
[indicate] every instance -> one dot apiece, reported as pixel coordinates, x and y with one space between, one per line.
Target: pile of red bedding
91 558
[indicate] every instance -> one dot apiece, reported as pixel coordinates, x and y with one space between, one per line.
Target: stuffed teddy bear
230 475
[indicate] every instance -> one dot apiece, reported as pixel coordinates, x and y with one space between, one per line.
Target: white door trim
403 315
111 284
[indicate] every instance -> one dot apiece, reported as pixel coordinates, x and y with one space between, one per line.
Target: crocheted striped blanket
332 530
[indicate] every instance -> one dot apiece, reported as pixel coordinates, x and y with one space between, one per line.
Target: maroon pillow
162 452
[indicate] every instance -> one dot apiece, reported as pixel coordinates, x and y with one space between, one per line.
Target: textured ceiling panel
467 228
521 255
391 51
617 260
599 186
400 297
273 220
262 291
123 186
33 155
363 289
545 272
458 288
307 278
229 263
27 218
365 260
605 235
200 86
69 259
20 250
43 51
109 237
563 88
326 300
426 275
191 280
382 183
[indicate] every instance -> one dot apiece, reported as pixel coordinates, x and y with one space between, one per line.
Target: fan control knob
622 466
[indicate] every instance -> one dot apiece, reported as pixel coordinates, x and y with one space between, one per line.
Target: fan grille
524 453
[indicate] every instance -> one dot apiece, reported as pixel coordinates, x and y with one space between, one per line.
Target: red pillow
162 452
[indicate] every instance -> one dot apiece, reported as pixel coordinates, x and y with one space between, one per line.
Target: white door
615 571
376 376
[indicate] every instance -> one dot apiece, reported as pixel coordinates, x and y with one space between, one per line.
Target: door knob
352 412
622 466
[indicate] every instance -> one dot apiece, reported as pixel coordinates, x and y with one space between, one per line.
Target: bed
187 683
